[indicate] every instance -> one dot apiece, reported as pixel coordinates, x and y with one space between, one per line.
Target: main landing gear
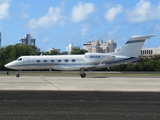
82 74
18 75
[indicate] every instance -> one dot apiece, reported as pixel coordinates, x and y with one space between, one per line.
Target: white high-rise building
99 46
111 46
27 40
70 47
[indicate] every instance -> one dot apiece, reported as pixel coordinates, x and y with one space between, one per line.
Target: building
50 49
27 40
99 46
70 47
111 46
147 52
88 46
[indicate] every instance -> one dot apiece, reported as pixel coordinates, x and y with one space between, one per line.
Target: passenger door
26 62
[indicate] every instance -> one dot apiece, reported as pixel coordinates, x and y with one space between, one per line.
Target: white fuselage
89 61
67 62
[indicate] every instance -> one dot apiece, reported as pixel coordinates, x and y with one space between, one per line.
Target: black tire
83 75
17 75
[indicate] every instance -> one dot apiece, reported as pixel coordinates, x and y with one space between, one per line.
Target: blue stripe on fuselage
134 41
123 60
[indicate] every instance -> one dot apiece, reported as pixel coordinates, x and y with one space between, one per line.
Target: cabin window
59 60
19 59
52 60
38 61
73 60
66 60
45 61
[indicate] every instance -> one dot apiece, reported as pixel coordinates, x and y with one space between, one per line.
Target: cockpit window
19 59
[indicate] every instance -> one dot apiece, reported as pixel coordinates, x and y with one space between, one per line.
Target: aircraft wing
102 64
107 59
72 67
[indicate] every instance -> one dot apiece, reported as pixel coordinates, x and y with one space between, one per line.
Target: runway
80 84
74 98
79 105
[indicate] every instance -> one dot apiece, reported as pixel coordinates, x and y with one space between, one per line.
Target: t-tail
133 46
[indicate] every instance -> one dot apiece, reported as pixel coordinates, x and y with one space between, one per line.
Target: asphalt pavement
79 105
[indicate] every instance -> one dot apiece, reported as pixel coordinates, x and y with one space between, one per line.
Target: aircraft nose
9 65
12 65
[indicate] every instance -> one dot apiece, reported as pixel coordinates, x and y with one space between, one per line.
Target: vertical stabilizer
133 46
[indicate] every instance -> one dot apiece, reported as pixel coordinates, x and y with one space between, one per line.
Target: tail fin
133 46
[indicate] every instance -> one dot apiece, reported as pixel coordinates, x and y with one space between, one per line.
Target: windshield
19 59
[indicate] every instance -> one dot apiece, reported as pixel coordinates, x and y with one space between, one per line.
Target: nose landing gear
18 75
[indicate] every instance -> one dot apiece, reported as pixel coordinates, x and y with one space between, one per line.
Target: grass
89 74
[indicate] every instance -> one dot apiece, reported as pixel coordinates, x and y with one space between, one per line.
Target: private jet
128 53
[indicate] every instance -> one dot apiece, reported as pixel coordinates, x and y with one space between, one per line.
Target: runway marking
50 83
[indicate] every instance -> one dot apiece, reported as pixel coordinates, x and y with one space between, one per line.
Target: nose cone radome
7 65
10 65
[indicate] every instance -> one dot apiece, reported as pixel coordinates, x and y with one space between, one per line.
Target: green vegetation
143 64
78 51
12 52
76 74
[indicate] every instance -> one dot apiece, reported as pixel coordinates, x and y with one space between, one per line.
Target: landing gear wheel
17 75
83 75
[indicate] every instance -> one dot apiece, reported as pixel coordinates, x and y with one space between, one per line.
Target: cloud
24 15
53 17
143 11
81 11
4 9
3 1
24 5
113 12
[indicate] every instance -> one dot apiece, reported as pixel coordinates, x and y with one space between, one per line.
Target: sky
57 23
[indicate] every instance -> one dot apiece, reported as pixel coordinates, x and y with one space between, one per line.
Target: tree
63 53
52 52
78 51
12 52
